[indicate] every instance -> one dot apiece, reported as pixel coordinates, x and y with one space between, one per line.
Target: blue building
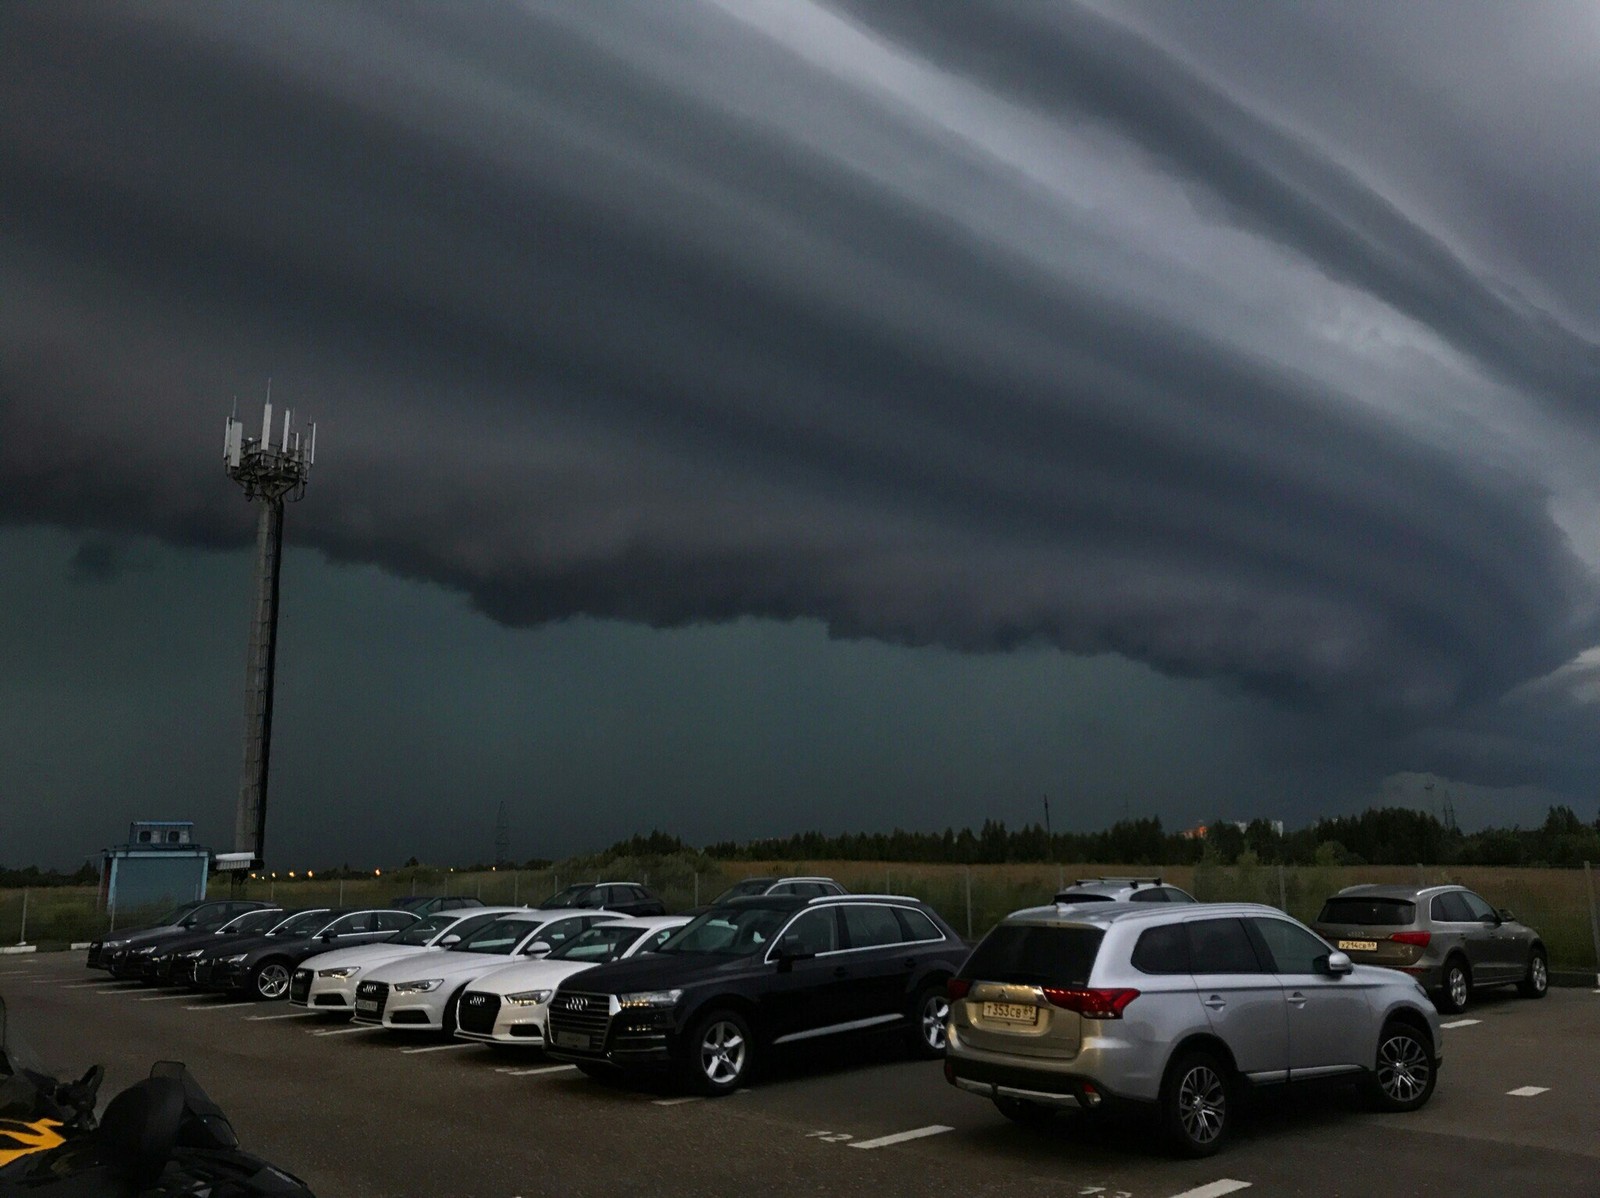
160 866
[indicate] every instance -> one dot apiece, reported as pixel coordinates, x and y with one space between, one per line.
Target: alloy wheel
273 981
1403 1067
935 1013
1202 1104
722 1053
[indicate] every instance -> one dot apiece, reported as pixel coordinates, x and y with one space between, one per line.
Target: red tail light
1420 939
1091 1004
957 988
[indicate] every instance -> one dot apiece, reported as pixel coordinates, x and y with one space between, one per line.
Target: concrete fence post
697 888
22 937
341 892
1594 920
1283 891
969 902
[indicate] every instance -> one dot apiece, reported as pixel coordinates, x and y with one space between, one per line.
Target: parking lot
360 1112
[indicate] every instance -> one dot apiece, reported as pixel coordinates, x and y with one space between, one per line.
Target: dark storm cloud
649 313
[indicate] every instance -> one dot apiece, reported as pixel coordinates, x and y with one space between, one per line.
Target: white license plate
574 1040
366 1004
1357 946
1011 1012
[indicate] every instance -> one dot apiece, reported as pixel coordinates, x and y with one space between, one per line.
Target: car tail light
1420 939
1091 1004
957 988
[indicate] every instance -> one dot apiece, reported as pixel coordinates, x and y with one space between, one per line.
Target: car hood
142 936
438 963
529 975
661 971
368 956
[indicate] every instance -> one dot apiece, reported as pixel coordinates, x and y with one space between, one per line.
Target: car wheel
1456 988
929 1011
1404 1072
1537 980
1032 1115
451 1007
1195 1111
270 980
719 1053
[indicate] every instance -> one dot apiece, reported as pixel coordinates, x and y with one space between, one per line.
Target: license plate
366 1004
1358 946
574 1040
1011 1012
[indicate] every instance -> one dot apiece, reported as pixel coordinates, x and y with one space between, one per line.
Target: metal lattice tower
502 838
273 474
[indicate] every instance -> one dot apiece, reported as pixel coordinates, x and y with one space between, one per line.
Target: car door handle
1297 999
1214 1003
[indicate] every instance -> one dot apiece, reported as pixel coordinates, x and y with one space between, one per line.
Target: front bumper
489 1018
308 990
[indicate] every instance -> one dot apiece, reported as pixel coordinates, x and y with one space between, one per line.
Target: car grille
477 1012
204 970
377 992
300 985
578 1013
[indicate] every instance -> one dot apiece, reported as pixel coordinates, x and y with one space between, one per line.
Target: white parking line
163 997
78 985
346 1031
510 1072
1527 1091
285 1015
440 1047
678 1101
122 990
1462 1023
916 1133
216 1006
1215 1189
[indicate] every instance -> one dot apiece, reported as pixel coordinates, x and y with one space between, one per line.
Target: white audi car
328 981
509 1005
419 992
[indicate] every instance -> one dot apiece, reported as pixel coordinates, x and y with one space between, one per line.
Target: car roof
1394 890
1120 912
649 921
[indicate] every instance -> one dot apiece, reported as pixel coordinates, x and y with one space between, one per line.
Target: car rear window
1384 912
1082 896
1039 956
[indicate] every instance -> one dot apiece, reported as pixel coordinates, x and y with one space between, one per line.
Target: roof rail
1151 881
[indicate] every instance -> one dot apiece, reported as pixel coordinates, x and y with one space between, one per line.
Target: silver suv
1130 890
1177 1008
1446 937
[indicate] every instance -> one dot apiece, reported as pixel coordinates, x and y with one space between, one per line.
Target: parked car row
1123 993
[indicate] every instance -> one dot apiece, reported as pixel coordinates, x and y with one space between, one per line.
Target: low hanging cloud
972 326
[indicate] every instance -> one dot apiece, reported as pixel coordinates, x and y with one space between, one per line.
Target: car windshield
178 914
565 898
745 889
602 943
497 938
303 924
729 931
253 923
423 930
1384 912
1034 955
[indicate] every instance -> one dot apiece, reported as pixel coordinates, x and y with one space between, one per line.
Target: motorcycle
162 1137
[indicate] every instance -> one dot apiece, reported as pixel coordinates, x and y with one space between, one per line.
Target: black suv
630 898
755 973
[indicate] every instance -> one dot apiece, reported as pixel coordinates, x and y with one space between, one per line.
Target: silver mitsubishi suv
1178 1008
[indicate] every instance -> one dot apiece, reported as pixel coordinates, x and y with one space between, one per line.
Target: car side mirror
538 948
452 938
1335 964
328 937
1506 916
790 949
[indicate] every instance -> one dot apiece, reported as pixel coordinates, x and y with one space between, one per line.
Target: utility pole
502 838
272 474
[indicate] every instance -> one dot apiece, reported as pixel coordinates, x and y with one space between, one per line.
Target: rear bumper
1046 1087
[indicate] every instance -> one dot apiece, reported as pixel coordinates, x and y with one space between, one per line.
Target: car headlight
113 944
421 987
193 953
344 971
235 959
529 998
650 998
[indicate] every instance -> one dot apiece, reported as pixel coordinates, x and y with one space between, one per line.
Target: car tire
1032 1115
1536 982
719 1053
1404 1071
930 1009
1195 1103
447 1021
269 981
1455 987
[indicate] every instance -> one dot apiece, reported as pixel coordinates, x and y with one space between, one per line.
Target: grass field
1555 901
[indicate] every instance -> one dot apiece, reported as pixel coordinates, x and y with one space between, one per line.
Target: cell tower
502 838
273 474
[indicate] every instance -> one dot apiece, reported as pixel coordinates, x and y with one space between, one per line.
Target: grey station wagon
1177 1008
1446 937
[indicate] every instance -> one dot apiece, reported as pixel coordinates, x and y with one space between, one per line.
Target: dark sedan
106 952
265 971
152 963
758 973
629 898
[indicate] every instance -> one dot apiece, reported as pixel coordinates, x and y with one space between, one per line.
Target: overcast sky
743 417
